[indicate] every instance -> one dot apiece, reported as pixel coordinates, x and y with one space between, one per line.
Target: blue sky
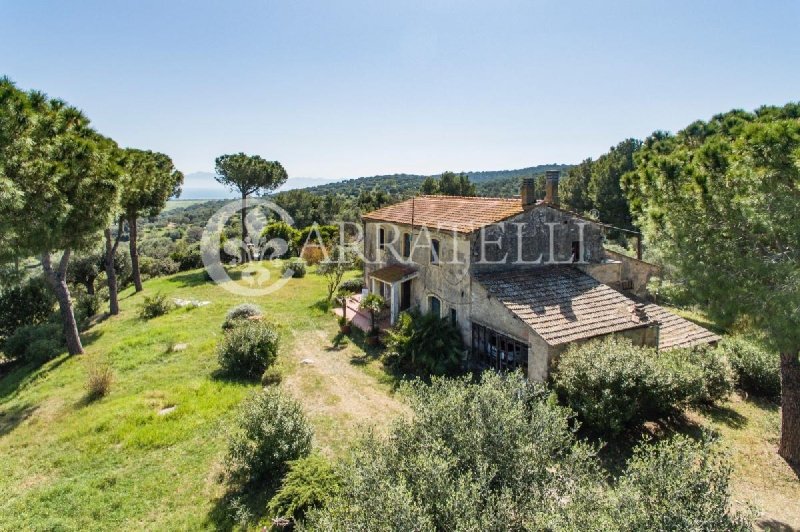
344 89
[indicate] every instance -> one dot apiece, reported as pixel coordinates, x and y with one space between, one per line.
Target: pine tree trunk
137 278
245 254
111 273
90 287
790 408
58 281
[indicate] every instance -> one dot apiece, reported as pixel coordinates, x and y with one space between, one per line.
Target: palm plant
424 344
373 304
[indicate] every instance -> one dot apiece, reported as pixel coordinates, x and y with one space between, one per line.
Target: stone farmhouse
521 278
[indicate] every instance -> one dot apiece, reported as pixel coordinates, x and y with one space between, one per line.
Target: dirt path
338 396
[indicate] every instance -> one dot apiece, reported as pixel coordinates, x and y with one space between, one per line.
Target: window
381 238
406 245
576 250
434 306
434 251
453 316
494 350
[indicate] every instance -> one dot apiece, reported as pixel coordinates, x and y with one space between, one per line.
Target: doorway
405 295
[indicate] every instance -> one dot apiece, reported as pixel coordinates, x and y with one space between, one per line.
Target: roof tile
449 213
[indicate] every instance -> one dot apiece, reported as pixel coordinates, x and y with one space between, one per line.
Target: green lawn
117 463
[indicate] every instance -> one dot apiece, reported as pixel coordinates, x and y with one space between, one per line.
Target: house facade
521 278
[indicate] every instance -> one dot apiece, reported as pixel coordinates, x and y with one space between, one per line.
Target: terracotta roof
562 304
393 272
675 332
449 213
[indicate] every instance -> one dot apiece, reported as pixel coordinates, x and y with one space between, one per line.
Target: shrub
99 379
492 455
296 265
352 286
249 348
151 267
86 306
678 484
29 303
312 255
271 377
501 455
35 343
188 257
424 344
282 231
705 375
154 306
757 370
245 311
614 385
309 483
271 430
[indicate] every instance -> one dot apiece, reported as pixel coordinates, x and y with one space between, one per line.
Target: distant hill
201 185
489 183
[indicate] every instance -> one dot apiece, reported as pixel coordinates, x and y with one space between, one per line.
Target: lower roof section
562 304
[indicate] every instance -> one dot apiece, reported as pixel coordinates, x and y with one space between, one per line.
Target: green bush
29 303
188 257
249 348
705 374
151 267
678 484
424 344
271 377
35 343
757 370
352 286
154 306
614 385
310 483
86 307
282 231
245 311
296 265
271 431
501 455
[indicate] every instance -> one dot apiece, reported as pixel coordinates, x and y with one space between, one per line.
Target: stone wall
528 239
634 273
448 280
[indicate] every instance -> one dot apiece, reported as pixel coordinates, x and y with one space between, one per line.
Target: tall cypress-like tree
150 179
248 174
721 201
58 183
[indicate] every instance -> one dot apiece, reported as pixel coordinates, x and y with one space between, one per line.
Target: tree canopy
58 177
58 184
249 174
720 200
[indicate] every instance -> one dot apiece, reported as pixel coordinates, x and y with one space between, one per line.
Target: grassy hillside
122 463
118 463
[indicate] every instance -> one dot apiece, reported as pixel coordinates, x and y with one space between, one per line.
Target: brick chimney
528 192
551 187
